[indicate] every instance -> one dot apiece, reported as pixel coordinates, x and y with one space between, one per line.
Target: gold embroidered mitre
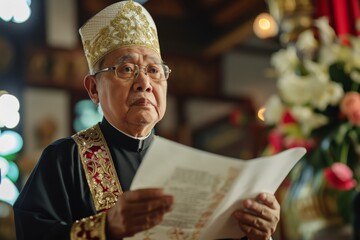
121 24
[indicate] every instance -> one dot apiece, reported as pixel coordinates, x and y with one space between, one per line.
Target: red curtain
344 15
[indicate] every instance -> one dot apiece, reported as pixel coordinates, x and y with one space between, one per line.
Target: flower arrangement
317 106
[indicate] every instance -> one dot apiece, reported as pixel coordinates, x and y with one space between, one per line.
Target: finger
255 225
269 200
151 219
248 219
254 233
144 222
164 204
257 209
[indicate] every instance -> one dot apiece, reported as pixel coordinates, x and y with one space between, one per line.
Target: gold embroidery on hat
129 27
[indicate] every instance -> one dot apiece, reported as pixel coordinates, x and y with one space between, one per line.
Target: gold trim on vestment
99 167
90 228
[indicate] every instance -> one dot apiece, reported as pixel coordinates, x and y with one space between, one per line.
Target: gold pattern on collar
130 27
99 167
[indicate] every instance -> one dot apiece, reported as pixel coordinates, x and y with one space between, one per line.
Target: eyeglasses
129 71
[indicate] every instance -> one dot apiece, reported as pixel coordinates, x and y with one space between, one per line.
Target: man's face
133 106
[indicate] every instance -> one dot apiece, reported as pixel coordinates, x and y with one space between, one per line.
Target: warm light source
261 113
9 110
17 11
8 190
265 26
10 142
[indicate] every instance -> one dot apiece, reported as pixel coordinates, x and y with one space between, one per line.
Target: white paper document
207 188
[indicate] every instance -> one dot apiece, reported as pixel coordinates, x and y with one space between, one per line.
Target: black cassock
57 193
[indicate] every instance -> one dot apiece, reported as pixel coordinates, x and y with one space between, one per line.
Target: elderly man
80 186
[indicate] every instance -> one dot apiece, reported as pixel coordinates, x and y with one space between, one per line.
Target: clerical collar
138 138
120 139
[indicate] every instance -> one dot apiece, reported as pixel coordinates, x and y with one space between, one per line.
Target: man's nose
139 70
142 81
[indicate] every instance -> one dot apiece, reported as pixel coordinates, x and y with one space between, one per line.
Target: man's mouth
141 102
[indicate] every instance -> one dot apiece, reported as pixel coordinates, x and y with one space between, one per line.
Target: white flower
327 33
318 70
355 43
356 51
354 59
331 95
299 90
285 59
345 54
273 110
307 119
311 92
325 92
306 43
329 54
355 76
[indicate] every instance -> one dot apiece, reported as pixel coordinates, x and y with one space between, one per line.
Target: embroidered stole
99 167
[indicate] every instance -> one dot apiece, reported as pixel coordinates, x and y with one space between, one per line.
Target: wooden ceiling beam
237 21
165 8
229 40
238 10
200 17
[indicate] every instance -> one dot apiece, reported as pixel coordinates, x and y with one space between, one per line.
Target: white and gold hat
121 24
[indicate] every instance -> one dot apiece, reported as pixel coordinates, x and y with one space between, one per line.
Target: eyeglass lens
154 71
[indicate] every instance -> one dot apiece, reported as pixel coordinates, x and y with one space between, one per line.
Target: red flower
275 139
340 176
287 118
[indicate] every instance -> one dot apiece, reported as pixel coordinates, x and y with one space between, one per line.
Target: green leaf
337 74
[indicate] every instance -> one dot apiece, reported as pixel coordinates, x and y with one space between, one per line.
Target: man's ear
90 84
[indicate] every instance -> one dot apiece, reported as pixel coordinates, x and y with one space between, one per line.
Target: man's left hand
259 217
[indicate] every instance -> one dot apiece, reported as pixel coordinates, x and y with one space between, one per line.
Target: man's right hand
137 211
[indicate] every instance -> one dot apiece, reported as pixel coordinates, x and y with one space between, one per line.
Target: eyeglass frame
137 71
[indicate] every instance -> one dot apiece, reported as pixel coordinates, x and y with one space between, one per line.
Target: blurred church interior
221 75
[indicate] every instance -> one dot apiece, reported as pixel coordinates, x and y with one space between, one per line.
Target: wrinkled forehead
135 55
